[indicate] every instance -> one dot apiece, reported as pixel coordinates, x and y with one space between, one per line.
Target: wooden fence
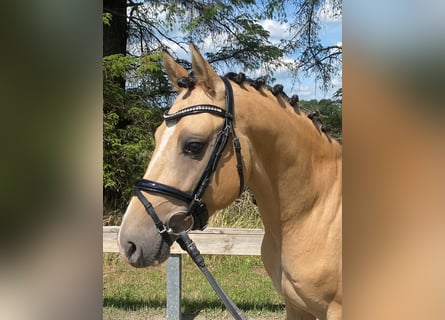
219 241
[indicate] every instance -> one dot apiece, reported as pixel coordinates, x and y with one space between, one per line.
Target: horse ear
204 74
174 70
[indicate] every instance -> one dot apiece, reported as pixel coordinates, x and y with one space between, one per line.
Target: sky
330 34
306 88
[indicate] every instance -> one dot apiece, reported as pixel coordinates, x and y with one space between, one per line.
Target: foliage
242 213
330 112
338 96
237 36
129 122
304 19
106 18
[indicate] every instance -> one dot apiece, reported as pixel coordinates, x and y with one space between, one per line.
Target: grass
131 293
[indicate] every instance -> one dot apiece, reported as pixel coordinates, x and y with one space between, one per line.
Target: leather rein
196 207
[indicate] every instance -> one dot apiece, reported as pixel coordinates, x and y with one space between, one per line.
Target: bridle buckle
197 199
163 230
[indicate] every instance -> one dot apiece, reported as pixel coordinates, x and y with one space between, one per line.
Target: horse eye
193 148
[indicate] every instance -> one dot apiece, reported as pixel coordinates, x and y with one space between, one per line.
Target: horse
224 132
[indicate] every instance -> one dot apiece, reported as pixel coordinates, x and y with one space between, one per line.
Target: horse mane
277 90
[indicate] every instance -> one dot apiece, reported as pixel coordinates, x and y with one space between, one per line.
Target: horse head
194 169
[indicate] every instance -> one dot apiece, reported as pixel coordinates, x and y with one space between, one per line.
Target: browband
200 108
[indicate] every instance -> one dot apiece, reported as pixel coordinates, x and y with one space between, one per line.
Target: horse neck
294 167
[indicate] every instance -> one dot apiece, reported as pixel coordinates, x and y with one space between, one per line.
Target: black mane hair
259 83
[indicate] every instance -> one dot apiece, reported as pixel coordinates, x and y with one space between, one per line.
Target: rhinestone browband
201 108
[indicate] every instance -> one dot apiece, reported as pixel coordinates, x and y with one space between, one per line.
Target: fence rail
219 241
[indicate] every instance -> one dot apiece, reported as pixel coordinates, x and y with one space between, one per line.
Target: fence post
174 287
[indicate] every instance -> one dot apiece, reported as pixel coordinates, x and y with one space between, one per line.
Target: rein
196 207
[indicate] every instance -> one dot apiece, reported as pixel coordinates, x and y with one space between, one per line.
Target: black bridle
196 207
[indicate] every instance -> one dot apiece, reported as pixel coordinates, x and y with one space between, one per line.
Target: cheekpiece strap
200 108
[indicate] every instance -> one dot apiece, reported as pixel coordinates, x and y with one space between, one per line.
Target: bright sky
330 34
306 88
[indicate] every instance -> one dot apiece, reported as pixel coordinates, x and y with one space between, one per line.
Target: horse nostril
130 248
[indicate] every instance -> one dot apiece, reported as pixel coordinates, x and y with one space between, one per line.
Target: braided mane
258 84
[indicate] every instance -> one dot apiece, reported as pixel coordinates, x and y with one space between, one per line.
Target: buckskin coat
292 167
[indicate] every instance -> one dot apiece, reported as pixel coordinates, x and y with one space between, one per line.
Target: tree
304 18
330 113
115 31
234 27
129 125
136 91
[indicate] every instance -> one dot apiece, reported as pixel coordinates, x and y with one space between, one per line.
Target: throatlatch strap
230 106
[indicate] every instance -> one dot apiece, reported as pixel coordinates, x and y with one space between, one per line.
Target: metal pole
174 287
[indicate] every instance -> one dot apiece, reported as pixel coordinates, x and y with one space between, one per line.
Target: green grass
131 293
243 278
